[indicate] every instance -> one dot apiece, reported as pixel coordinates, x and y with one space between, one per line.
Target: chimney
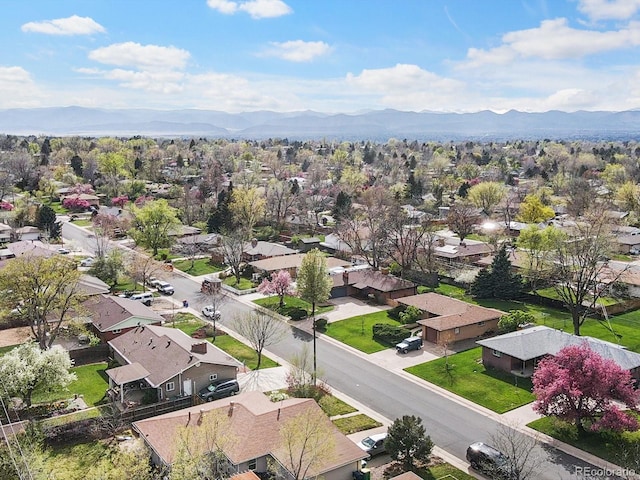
345 277
254 242
200 348
441 242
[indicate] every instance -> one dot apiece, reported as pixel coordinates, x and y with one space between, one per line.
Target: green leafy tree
407 442
538 245
24 455
108 267
152 224
515 318
486 195
43 291
27 368
314 285
410 314
532 210
498 281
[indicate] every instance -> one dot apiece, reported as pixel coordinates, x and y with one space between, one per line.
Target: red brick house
447 320
367 283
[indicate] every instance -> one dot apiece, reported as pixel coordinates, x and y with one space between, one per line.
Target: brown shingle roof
165 352
109 311
450 313
254 421
371 279
285 262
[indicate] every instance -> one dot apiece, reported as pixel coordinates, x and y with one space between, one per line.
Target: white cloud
73 25
223 6
554 39
142 57
403 77
257 9
609 9
297 50
18 88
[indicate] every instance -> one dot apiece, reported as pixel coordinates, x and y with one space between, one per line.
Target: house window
481 323
253 464
171 386
456 330
213 377
117 330
496 353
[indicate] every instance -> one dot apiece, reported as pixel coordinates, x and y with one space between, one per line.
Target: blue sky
324 55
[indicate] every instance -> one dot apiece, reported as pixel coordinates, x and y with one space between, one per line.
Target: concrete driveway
346 307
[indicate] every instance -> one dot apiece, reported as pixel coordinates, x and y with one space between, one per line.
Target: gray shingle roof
535 342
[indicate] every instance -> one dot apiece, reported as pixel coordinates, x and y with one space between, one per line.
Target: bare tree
142 267
580 260
306 443
524 460
232 246
461 219
260 330
404 238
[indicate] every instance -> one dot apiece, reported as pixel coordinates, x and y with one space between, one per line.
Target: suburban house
453 250
624 274
367 283
254 431
5 233
111 315
291 263
259 250
519 352
447 320
25 247
26 233
91 199
90 285
167 360
335 245
627 240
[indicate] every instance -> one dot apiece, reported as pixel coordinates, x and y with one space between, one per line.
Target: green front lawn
201 266
290 304
357 332
245 283
355 423
189 323
242 352
333 406
606 445
91 383
467 377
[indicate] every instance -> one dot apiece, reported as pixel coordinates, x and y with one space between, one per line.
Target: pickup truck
161 286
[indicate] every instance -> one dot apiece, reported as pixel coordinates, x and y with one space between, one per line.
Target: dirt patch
14 336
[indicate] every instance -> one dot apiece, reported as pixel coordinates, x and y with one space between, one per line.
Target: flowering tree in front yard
579 386
280 284
75 204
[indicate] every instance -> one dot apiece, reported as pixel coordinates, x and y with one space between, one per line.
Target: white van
146 297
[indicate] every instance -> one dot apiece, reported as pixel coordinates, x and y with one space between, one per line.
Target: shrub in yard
389 334
321 323
515 318
297 313
410 314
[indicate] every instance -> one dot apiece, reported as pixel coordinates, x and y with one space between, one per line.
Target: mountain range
375 125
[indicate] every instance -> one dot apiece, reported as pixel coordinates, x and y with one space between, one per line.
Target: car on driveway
87 262
219 389
408 344
64 251
209 311
373 444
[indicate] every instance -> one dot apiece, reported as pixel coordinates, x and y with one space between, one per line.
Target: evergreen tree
76 165
498 281
46 221
343 205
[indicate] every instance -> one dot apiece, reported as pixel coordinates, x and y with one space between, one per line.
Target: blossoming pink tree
280 284
579 386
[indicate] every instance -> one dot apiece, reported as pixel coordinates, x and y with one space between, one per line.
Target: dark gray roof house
519 352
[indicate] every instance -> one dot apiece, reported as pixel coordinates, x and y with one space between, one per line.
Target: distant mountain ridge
379 125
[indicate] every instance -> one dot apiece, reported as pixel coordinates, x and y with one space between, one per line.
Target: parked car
489 460
408 344
164 287
146 298
373 444
209 311
87 262
219 389
64 251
